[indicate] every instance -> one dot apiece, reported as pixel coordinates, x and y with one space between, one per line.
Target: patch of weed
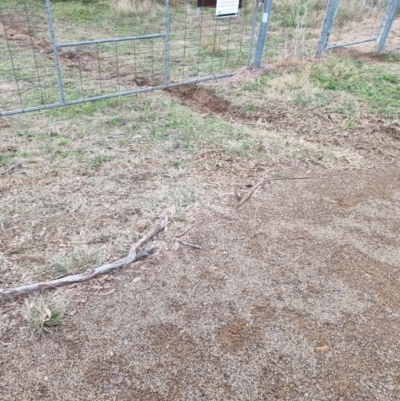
25 134
43 313
391 57
351 125
177 164
366 82
74 264
99 160
116 120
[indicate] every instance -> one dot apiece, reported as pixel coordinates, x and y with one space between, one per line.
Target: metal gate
355 22
56 55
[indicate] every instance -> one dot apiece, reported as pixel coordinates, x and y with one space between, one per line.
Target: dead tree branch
79 278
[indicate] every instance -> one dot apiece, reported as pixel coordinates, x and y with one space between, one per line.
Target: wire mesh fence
75 52
26 61
294 29
70 52
357 22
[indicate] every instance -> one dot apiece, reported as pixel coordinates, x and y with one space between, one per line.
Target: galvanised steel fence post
388 21
263 33
253 30
55 51
330 17
166 42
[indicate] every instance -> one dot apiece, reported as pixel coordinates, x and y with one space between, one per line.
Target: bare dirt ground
293 297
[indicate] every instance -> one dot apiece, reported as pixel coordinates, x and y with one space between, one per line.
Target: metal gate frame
166 59
380 38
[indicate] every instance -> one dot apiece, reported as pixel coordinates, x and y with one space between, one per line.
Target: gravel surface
295 296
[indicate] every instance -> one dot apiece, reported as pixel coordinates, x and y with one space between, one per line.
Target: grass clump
77 263
43 313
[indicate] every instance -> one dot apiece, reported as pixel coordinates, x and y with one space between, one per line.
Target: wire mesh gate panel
356 22
72 52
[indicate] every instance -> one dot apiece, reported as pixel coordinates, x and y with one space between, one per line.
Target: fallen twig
116 136
12 167
288 178
78 278
189 244
183 233
250 193
265 180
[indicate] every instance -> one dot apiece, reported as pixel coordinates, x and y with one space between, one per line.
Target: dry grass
212 45
88 189
143 7
43 313
77 263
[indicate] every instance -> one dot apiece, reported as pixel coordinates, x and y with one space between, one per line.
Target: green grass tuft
43 313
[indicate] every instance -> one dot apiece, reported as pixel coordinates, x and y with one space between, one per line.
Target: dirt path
294 297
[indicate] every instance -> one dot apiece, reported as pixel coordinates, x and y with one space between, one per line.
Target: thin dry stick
189 244
288 178
250 193
263 181
79 278
182 234
12 167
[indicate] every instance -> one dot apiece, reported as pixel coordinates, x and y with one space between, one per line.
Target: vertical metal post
389 17
55 51
330 17
253 30
166 43
263 33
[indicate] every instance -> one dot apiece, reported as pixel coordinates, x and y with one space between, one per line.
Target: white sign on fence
227 8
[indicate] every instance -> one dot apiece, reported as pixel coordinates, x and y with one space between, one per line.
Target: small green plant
116 120
178 164
391 78
26 134
43 313
77 263
391 57
99 160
